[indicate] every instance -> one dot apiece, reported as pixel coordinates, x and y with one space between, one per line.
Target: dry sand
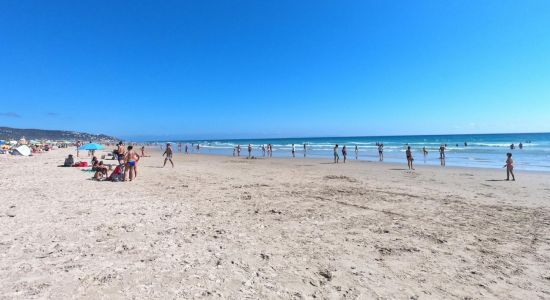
232 228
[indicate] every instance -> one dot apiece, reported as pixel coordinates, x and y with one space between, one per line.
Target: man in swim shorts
131 159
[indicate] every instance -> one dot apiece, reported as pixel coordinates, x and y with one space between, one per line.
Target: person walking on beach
356 152
263 150
305 149
442 152
143 151
336 156
131 159
249 150
293 151
270 150
168 152
509 167
238 150
425 152
381 151
410 158
186 149
345 153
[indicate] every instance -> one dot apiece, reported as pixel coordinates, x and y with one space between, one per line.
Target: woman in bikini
509 167
410 158
345 153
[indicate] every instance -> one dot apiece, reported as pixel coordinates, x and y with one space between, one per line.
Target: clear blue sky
193 69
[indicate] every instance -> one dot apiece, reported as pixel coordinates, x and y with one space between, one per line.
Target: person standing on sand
143 151
410 158
131 159
238 150
442 152
121 153
270 150
168 152
381 151
345 153
305 149
78 144
293 151
249 150
263 150
356 152
336 156
509 167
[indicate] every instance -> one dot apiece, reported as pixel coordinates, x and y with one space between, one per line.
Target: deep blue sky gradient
230 69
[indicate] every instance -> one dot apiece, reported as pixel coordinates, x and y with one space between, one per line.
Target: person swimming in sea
509 167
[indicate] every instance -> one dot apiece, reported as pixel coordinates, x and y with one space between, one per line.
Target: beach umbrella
92 146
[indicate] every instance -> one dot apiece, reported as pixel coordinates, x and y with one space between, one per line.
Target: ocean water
482 150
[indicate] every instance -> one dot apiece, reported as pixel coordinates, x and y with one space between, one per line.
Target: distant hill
7 133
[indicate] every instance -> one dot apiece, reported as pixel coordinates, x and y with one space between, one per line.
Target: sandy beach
232 228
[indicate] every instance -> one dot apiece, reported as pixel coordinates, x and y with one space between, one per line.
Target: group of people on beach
128 158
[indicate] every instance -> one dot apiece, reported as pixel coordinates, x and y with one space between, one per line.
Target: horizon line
342 136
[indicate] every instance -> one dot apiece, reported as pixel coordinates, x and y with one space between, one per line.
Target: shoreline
418 164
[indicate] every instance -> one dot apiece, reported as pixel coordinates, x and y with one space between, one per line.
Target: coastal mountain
7 133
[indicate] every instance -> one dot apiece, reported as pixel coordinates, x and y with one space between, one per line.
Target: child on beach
410 158
509 167
336 156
